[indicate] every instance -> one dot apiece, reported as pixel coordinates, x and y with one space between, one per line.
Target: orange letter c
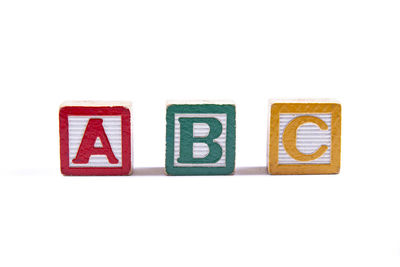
289 138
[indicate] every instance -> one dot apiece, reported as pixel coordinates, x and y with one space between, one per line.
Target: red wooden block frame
66 111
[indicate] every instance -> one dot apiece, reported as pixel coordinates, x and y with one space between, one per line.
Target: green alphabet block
200 139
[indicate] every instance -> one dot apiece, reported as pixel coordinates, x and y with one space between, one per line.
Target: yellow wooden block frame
304 108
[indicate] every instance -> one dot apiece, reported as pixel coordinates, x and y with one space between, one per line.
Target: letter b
187 140
200 139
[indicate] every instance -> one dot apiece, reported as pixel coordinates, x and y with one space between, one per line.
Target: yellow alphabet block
304 137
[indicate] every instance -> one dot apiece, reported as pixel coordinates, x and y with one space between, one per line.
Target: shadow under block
200 139
304 138
95 138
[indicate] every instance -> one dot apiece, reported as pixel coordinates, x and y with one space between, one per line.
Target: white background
247 51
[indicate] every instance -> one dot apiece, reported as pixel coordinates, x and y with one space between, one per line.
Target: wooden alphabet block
304 137
200 138
95 138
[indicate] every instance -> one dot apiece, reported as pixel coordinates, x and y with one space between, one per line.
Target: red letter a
94 130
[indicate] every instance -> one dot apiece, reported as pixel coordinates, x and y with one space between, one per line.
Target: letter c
289 138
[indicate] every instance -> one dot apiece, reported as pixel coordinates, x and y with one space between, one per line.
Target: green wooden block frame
229 110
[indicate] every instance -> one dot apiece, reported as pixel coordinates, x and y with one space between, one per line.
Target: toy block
95 138
304 137
200 138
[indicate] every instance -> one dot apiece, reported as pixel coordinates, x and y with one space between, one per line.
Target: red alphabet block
95 138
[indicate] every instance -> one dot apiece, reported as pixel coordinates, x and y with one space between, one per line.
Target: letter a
94 130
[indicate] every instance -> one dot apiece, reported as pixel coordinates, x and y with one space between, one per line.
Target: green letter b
187 140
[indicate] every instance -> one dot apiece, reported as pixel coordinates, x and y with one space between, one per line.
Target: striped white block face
309 139
200 150
112 128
